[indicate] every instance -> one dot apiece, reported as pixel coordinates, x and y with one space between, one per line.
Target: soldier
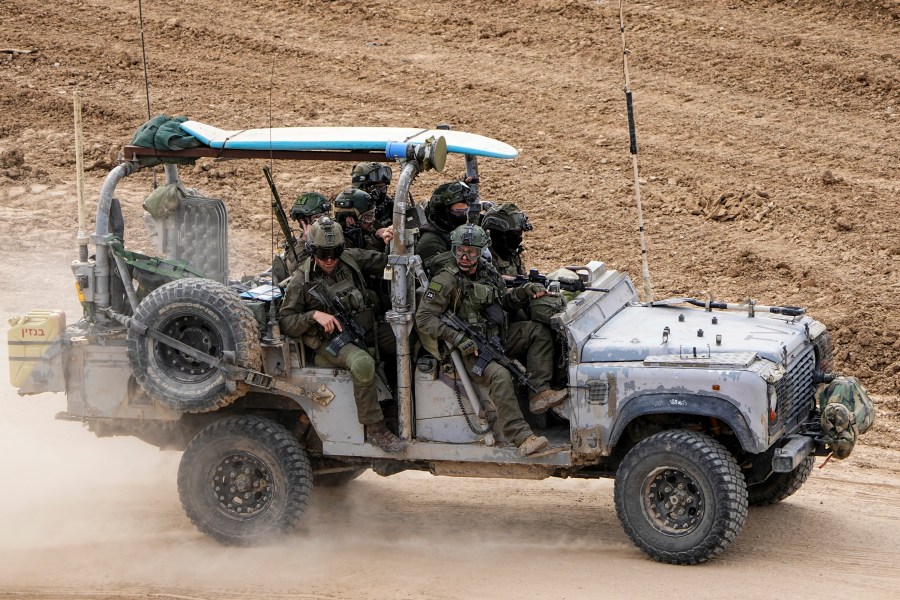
330 271
355 210
447 209
373 178
472 289
308 207
506 224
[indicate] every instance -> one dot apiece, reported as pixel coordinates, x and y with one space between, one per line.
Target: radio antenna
146 75
271 168
648 288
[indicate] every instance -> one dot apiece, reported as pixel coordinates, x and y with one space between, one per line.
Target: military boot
547 399
534 443
379 435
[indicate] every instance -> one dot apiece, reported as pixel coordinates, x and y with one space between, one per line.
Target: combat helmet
506 224
469 235
366 174
309 205
356 203
325 239
506 217
437 209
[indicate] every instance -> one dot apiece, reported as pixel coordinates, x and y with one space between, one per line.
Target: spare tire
205 315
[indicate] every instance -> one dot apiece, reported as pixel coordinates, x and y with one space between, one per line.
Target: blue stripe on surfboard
343 138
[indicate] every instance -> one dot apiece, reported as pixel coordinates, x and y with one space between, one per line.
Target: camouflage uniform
506 224
435 236
307 207
373 178
347 283
468 296
357 203
510 268
433 242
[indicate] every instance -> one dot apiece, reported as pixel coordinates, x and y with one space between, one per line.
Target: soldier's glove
465 345
533 289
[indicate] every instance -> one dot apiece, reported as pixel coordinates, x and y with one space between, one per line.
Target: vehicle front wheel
680 497
780 485
244 480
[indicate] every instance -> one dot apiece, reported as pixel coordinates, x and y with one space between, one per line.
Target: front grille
795 392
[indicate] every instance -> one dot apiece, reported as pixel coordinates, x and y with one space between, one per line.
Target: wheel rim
672 501
197 333
242 485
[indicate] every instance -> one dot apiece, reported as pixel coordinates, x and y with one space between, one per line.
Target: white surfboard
343 138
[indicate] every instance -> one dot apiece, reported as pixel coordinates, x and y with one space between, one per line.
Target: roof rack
132 152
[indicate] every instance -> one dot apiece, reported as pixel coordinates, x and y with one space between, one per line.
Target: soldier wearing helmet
506 224
330 270
308 207
355 210
447 209
374 178
471 288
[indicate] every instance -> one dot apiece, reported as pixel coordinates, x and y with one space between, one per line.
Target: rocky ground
768 132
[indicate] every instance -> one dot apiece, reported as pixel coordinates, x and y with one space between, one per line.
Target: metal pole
474 182
82 237
648 288
101 270
401 315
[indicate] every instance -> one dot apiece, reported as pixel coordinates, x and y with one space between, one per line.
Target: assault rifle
278 209
351 331
489 349
536 277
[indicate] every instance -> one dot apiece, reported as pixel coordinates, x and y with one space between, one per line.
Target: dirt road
100 519
769 138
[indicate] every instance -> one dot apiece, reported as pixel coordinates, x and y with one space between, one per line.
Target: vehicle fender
687 404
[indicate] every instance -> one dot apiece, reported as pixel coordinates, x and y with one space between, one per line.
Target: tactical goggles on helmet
382 174
472 253
367 217
328 253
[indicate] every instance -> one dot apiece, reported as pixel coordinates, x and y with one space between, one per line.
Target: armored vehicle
696 408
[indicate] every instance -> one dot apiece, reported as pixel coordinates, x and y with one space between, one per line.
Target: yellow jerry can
35 351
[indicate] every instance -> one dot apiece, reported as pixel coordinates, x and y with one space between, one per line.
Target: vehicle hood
637 331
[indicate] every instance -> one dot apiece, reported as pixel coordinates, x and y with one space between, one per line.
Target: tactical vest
348 286
507 267
478 300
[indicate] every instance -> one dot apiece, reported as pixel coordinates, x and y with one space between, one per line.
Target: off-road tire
780 485
704 479
340 479
206 315
244 480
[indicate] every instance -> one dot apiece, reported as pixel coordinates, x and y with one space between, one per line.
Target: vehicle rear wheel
680 497
207 316
780 485
244 480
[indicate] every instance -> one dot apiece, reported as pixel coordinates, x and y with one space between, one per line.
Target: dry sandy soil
769 142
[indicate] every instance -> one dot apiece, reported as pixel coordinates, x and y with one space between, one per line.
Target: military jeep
696 408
